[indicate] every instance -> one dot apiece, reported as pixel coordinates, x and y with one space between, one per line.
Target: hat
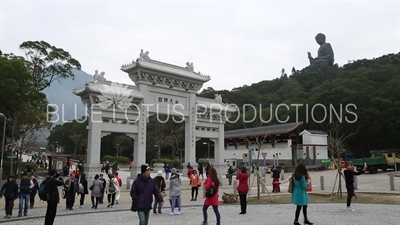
11 176
144 168
173 170
159 173
24 174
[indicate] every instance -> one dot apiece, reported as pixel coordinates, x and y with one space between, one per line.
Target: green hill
367 91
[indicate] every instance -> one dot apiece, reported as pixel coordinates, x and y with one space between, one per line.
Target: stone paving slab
279 214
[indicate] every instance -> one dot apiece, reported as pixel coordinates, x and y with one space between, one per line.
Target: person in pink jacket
211 186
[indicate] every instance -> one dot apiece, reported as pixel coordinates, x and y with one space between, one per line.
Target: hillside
372 85
60 94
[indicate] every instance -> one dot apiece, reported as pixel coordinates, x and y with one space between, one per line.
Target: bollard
391 181
282 175
263 186
128 183
220 179
235 187
322 183
355 183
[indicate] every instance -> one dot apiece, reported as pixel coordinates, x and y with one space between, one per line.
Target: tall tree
76 139
47 63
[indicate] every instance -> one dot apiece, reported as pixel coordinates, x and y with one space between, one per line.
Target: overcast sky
236 43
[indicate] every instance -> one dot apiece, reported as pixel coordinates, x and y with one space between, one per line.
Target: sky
236 43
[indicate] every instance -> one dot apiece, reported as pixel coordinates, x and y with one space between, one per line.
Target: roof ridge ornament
218 98
99 77
190 67
144 55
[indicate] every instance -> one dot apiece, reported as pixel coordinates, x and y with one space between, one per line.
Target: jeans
24 197
174 200
155 206
94 204
9 205
82 200
111 198
33 195
350 193
50 213
243 202
166 175
195 190
215 208
143 217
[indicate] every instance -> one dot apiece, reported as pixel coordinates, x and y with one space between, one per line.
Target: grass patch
326 198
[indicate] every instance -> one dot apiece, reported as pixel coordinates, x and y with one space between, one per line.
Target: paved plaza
274 214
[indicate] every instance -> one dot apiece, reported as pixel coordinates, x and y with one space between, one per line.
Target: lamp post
208 152
2 147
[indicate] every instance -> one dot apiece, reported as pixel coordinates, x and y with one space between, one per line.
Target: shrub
172 163
23 166
111 159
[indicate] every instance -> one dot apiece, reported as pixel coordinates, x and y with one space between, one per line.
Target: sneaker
9 216
6 216
171 213
19 215
350 209
178 213
204 223
25 214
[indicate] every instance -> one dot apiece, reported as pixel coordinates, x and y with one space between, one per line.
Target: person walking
196 183
160 183
349 174
25 186
211 182
103 188
111 189
53 196
201 171
175 192
243 177
34 191
71 187
142 191
299 195
96 188
10 192
230 174
167 170
118 194
83 192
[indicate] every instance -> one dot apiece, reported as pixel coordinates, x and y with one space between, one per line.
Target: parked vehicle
379 160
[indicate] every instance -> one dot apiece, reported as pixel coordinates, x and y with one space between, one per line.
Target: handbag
211 192
176 202
91 186
290 188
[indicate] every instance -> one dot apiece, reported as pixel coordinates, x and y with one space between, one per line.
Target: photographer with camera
53 196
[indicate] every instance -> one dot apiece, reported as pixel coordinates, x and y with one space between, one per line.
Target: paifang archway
160 88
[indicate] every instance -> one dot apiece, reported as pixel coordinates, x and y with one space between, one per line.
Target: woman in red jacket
212 180
243 187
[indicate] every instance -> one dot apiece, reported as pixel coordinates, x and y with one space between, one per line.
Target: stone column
139 151
93 165
190 134
219 150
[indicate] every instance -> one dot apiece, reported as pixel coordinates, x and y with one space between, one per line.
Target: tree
336 140
121 142
47 63
76 138
175 139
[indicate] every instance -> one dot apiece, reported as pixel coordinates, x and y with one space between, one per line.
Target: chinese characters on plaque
167 100
143 124
193 126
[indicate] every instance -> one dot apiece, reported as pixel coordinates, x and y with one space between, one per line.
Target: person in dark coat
10 192
84 191
103 188
53 196
71 187
142 191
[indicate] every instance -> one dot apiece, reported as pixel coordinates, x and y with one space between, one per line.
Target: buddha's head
320 38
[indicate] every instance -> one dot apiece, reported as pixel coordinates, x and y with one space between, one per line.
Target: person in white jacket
112 187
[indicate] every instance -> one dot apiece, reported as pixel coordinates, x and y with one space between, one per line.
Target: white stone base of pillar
91 170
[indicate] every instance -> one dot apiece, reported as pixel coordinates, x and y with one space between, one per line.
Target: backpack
81 188
43 190
111 188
